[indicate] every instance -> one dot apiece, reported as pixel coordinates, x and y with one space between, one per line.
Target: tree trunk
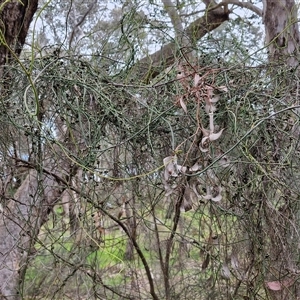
20 223
15 17
282 31
282 39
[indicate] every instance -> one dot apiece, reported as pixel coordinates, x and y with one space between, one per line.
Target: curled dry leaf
210 91
205 132
182 104
194 188
215 136
203 149
206 262
168 189
218 196
170 163
181 169
169 159
204 141
180 72
215 99
279 285
196 167
208 195
208 135
213 194
234 261
187 203
225 272
224 162
211 122
222 88
196 79
210 108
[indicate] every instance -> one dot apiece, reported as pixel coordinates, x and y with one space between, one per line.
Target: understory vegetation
133 174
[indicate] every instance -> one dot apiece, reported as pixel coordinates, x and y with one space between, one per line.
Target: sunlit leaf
217 198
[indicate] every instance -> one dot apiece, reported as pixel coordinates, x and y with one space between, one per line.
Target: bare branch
80 22
174 16
247 5
149 67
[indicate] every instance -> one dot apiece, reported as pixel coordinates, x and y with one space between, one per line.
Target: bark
15 17
282 38
19 226
282 31
18 221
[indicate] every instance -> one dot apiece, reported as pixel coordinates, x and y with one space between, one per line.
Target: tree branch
247 5
174 16
151 66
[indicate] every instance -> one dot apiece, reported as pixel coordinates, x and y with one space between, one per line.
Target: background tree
130 171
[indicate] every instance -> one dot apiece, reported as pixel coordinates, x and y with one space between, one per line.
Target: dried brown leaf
181 169
187 203
206 261
211 122
225 272
215 99
170 163
279 285
210 108
203 149
215 136
210 91
196 79
182 104
205 132
196 167
218 197
223 88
